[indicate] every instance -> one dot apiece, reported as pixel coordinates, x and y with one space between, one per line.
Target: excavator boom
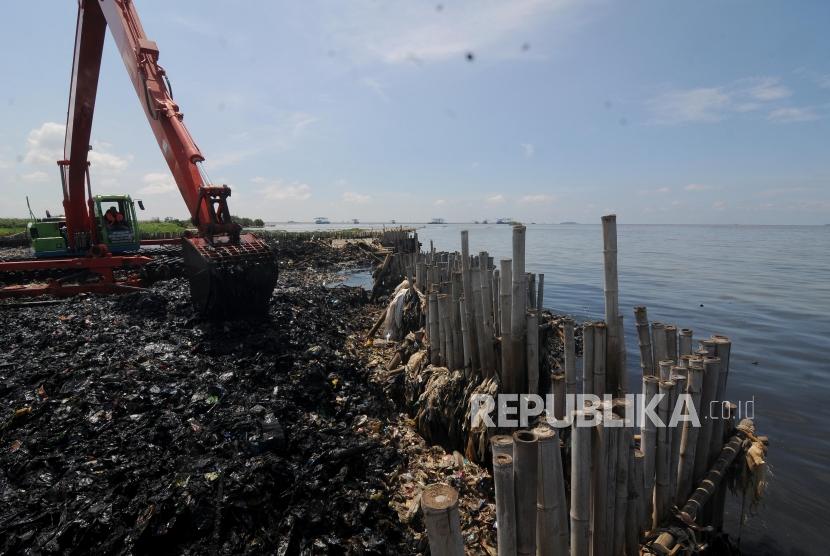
230 272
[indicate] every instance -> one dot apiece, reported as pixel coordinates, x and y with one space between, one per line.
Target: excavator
95 247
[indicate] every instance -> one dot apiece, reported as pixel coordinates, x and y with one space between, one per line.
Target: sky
540 111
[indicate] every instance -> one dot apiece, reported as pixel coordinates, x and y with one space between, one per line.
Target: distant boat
392 222
437 221
322 220
504 221
355 221
569 222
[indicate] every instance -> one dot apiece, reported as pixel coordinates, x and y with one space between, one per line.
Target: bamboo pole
466 339
662 496
497 302
634 509
588 358
690 433
446 302
580 512
675 433
502 444
622 359
600 354
558 387
486 277
649 448
644 338
621 489
671 342
467 279
505 504
434 330
525 470
706 487
540 294
478 313
685 341
455 321
439 502
532 344
509 381
722 350
599 487
611 290
658 341
552 508
444 328
531 290
711 370
569 355
719 500
613 434
518 320
665 368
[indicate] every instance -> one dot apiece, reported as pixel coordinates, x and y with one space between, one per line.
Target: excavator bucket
230 281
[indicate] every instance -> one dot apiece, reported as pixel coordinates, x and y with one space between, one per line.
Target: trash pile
129 425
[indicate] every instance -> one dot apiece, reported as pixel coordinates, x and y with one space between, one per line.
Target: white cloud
107 162
37 176
355 198
300 121
719 205
792 114
697 187
276 190
157 183
767 89
439 202
495 198
44 145
528 149
537 199
376 87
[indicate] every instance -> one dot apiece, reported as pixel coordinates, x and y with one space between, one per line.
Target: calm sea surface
766 287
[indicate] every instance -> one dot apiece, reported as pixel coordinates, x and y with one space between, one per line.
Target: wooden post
644 338
508 373
662 496
502 444
649 448
518 319
634 509
689 434
525 470
711 370
611 290
580 512
434 330
532 344
505 504
588 358
685 342
569 356
439 502
468 294
552 508
600 353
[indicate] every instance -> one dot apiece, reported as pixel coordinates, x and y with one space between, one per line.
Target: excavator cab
116 223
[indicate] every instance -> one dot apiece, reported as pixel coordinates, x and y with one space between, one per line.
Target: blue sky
664 112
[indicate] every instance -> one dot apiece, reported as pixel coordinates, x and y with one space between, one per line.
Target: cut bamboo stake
502 444
722 349
439 502
455 322
525 470
644 338
685 342
531 290
444 328
496 302
719 500
649 447
665 368
558 387
588 358
600 343
466 339
487 315
532 344
540 294
481 333
505 504
671 342
711 370
634 509
613 432
599 487
434 331
468 294
570 355
662 496
509 382
518 320
621 492
658 341
622 359
675 432
552 508
690 433
611 290
580 512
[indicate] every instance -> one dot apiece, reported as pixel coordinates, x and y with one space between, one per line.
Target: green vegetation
10 226
159 227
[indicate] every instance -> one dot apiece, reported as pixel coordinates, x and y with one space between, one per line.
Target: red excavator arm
228 272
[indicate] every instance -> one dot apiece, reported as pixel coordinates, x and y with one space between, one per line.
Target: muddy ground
129 425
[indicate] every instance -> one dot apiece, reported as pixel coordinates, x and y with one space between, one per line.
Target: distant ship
355 221
437 221
569 222
322 220
504 221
